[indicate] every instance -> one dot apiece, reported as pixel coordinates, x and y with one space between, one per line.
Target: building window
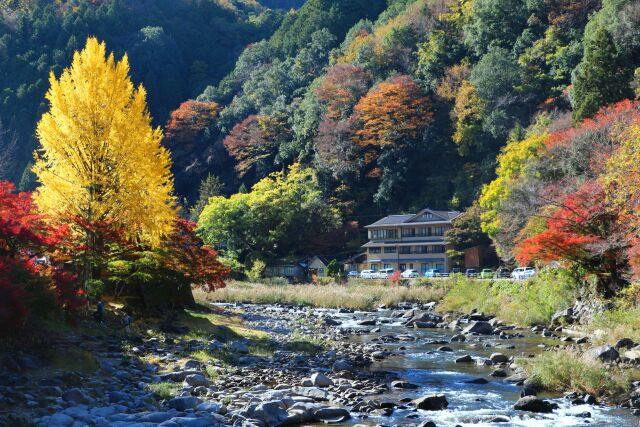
375 250
405 249
440 267
403 267
424 267
390 250
437 249
421 249
321 272
289 271
374 267
410 266
387 266
438 231
408 232
386 233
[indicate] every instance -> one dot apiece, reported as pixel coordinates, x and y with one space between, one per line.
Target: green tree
602 78
333 270
276 218
210 187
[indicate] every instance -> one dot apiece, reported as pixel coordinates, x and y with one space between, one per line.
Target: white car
353 274
385 273
409 274
367 274
522 273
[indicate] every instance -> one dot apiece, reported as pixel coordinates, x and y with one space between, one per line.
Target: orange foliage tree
190 119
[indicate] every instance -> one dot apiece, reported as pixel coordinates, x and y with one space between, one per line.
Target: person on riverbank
126 321
99 314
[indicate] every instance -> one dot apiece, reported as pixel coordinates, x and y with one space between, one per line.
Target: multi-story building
412 241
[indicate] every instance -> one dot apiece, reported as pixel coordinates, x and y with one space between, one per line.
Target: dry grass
356 296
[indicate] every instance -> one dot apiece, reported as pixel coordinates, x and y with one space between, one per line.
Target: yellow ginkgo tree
99 158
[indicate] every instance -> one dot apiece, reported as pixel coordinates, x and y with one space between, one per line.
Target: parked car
385 273
486 273
353 274
409 274
522 273
455 270
503 273
471 272
367 274
432 273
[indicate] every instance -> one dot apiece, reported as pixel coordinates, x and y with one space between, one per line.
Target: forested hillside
394 105
176 49
411 108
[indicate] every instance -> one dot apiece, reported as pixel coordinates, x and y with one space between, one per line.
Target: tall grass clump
622 320
525 303
564 370
358 295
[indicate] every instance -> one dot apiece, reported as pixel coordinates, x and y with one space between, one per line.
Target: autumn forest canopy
144 136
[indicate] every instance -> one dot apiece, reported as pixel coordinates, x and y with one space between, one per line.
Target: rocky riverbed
401 366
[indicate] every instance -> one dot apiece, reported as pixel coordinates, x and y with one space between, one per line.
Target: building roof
437 216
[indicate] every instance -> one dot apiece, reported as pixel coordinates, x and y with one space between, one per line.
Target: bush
95 288
527 303
567 370
256 271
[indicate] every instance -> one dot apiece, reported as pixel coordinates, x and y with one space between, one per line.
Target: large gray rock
314 393
60 419
464 359
182 403
605 353
239 347
479 327
321 380
432 402
403 385
176 376
533 404
272 413
197 380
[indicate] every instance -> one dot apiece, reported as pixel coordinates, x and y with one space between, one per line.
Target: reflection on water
487 404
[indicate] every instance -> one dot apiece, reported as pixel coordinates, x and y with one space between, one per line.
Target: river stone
498 358
499 373
331 415
533 404
605 353
464 359
432 402
331 322
477 381
312 392
197 380
624 343
270 413
320 380
480 327
633 354
60 419
76 395
424 325
343 365
445 348
367 322
192 364
182 403
403 385
458 338
210 406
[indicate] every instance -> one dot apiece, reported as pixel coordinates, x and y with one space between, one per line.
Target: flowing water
470 404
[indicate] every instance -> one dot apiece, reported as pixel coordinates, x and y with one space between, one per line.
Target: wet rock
432 402
604 353
477 381
331 322
403 385
464 359
479 327
533 404
445 348
498 358
499 373
331 415
367 322
427 424
424 325
458 338
60 419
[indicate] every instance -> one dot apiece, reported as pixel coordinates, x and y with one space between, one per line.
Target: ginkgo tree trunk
100 160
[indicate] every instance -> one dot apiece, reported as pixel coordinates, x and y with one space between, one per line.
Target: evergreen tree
210 187
602 78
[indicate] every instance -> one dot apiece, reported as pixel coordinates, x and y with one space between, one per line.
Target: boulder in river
498 358
432 402
533 404
480 327
464 359
321 380
403 385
